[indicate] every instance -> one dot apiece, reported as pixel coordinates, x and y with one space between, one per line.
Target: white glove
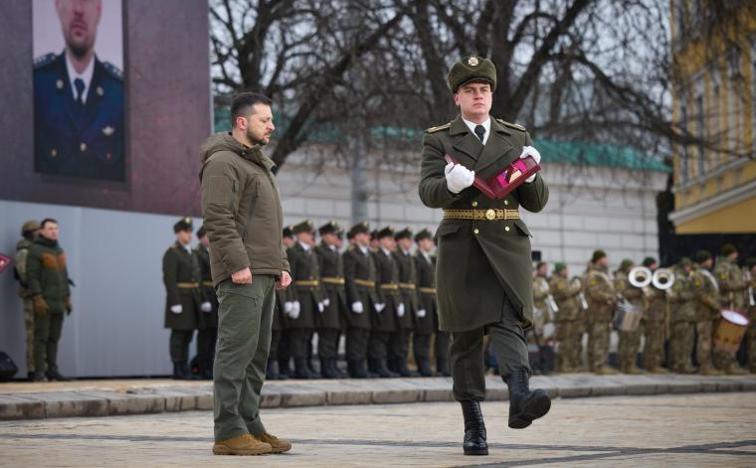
206 307
379 307
177 309
321 307
458 177
326 302
357 307
288 306
530 151
400 310
421 313
295 309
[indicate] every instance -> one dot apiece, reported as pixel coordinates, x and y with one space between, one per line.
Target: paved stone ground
669 430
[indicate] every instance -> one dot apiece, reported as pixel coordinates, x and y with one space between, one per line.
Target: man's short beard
252 139
79 51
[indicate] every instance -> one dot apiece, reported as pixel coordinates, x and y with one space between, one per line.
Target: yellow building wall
738 218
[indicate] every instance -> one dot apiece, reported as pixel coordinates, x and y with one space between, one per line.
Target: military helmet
626 264
648 261
471 68
29 226
598 255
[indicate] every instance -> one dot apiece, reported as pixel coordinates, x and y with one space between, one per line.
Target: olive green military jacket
306 283
331 267
566 296
360 284
707 294
632 294
481 264
387 274
426 296
682 302
47 273
407 287
600 294
22 251
732 285
181 277
658 306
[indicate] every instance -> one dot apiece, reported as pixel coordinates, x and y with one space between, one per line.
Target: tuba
663 279
640 277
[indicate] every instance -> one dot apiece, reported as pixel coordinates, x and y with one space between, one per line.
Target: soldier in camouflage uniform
682 319
653 324
28 233
542 307
732 296
569 318
629 340
751 298
602 299
707 310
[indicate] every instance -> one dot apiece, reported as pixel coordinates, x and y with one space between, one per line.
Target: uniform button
53 152
506 228
474 204
476 231
83 147
506 202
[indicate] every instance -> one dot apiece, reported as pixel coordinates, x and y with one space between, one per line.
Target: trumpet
640 277
663 279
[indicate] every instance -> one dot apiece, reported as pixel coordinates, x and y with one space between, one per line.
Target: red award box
508 179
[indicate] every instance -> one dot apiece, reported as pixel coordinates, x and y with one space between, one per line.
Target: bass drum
730 331
627 317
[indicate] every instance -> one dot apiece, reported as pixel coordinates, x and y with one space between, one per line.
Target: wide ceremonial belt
491 214
332 280
390 286
307 283
362 282
207 283
427 290
187 285
407 286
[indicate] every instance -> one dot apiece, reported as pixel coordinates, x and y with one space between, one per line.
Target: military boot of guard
271 371
301 370
605 370
178 373
378 366
244 444
708 369
423 366
328 369
355 370
525 405
341 374
442 367
402 369
475 429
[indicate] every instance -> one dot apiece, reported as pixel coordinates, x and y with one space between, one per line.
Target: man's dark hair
242 104
540 264
47 220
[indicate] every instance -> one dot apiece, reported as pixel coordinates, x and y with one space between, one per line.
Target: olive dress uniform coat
388 273
426 280
208 319
181 266
407 277
359 266
331 266
304 267
481 264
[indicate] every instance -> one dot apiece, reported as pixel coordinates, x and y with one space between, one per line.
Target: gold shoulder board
512 125
440 127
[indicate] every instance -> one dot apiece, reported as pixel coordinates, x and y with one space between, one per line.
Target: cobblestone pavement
669 430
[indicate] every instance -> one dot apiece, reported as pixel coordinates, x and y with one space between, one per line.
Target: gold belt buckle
490 214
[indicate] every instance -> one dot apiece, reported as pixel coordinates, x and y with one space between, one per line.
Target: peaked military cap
424 234
304 226
359 228
387 231
331 227
374 234
471 68
287 232
405 233
184 224
201 232
598 255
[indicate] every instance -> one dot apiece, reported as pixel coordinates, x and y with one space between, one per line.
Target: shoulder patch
113 71
512 125
44 60
438 128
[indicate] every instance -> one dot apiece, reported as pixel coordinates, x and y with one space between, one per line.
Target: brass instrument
663 279
581 296
640 277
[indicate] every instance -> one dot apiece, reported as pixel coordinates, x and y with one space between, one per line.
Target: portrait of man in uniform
78 90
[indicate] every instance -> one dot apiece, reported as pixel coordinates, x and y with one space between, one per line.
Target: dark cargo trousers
245 317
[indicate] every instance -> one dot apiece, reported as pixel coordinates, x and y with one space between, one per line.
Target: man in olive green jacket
47 277
243 217
484 279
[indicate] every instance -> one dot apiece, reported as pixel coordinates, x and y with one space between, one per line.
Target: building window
701 135
734 97
684 152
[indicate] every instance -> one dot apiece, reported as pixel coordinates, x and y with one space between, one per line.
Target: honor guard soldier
279 356
484 278
707 310
300 321
361 296
425 317
374 244
328 323
183 301
389 306
732 296
399 345
602 299
207 334
629 340
654 324
570 318
682 319
28 233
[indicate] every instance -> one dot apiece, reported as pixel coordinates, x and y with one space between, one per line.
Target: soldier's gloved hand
421 313
400 310
206 307
296 307
357 307
177 309
458 177
287 307
326 302
530 151
321 307
379 307
40 305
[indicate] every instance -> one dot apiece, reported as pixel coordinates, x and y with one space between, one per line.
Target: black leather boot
301 370
403 370
475 429
423 366
383 371
271 371
442 367
525 405
340 374
284 368
187 371
328 369
177 371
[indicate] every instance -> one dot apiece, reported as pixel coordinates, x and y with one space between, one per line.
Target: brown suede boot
278 445
605 370
709 370
245 444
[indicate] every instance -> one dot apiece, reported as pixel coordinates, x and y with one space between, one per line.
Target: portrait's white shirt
85 76
486 125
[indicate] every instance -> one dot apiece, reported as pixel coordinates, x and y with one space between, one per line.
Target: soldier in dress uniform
181 276
361 296
654 325
682 336
207 335
569 320
328 323
629 340
389 306
285 303
732 296
78 102
707 310
399 345
374 244
602 299
425 317
484 273
300 321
